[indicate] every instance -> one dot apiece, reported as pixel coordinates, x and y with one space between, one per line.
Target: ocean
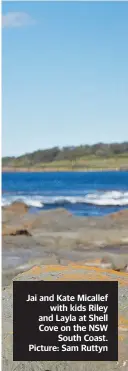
81 193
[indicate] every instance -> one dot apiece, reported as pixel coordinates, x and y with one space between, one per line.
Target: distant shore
63 169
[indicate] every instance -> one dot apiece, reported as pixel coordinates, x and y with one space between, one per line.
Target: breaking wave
106 198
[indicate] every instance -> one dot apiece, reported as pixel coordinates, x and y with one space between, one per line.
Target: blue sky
65 74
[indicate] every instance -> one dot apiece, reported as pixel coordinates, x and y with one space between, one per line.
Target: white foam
5 202
107 198
30 201
111 198
33 203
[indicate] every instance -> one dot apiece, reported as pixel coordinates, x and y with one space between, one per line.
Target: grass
84 163
90 162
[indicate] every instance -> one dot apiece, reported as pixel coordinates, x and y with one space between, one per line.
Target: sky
64 74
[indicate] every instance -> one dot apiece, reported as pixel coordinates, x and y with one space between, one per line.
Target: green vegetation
97 156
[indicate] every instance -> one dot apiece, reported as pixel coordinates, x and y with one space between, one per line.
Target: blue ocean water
84 194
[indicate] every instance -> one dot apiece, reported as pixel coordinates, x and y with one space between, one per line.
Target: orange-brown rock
74 272
19 208
11 230
122 214
71 272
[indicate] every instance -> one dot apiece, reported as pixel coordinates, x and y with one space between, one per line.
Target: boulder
12 230
115 262
54 219
19 208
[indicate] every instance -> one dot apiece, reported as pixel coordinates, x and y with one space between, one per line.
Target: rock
70 272
52 219
57 236
15 222
19 208
8 230
17 215
122 214
115 262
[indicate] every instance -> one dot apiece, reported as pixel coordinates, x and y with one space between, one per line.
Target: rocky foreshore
70 272
55 236
54 245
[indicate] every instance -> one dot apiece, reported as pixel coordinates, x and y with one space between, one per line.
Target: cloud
16 19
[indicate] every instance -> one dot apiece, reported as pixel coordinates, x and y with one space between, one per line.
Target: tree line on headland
71 154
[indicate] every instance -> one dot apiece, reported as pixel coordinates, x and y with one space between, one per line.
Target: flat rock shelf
70 272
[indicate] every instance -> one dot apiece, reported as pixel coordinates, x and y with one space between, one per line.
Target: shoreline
46 170
56 235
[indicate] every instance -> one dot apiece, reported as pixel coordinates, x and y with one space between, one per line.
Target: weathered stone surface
95 230
122 214
17 207
70 272
12 219
8 230
98 244
116 262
